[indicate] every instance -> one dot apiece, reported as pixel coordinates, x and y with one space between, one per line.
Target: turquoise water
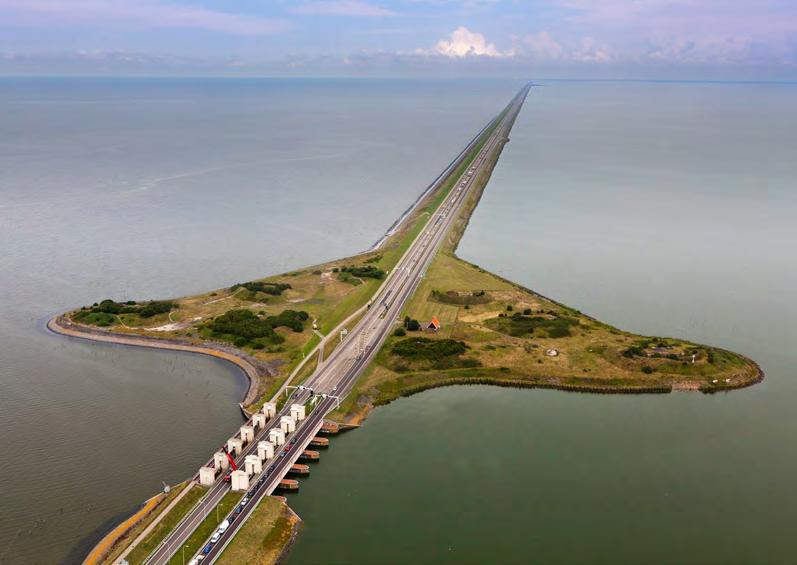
664 208
135 188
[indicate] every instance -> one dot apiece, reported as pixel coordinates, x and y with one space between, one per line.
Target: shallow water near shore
662 208
150 188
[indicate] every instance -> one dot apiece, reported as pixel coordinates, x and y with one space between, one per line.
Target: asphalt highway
336 376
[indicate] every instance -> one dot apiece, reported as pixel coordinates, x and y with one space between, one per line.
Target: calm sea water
156 188
667 209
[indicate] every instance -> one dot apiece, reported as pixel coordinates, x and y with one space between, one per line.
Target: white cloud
343 8
590 51
466 43
542 46
705 49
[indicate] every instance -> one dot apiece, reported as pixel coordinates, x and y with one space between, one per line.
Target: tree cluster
244 326
274 289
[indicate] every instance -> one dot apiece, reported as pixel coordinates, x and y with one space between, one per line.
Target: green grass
156 536
205 529
263 537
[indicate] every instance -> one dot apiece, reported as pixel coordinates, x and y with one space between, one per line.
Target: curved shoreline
362 414
59 324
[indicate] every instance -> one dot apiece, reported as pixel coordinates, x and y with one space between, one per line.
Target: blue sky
692 39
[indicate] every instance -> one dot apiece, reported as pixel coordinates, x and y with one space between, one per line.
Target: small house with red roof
434 325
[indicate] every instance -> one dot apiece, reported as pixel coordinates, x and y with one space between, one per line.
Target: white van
223 527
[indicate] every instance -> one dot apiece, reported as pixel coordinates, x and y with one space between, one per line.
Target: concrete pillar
220 460
298 412
240 480
259 421
247 434
265 450
235 445
207 476
253 464
269 409
287 424
276 436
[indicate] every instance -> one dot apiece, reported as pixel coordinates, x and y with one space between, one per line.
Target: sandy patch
470 318
174 326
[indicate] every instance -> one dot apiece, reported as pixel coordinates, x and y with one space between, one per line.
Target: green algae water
664 208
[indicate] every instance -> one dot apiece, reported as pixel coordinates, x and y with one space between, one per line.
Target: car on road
245 501
238 509
293 440
215 537
206 549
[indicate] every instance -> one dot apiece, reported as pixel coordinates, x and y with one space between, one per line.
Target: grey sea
664 208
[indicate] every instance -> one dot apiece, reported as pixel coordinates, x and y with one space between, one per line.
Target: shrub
146 310
154 308
428 349
245 324
519 325
400 332
411 324
633 351
274 289
509 308
240 341
364 271
647 370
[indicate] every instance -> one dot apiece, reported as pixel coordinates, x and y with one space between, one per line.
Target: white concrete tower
259 421
247 434
220 460
276 436
240 480
265 450
269 409
253 465
207 476
287 424
235 445
297 412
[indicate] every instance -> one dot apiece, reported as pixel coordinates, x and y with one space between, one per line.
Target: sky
608 39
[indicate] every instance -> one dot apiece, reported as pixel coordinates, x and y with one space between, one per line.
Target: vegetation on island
105 313
244 327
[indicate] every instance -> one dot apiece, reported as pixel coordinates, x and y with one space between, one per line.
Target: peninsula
355 333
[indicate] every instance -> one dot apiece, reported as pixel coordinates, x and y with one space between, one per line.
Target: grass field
264 536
